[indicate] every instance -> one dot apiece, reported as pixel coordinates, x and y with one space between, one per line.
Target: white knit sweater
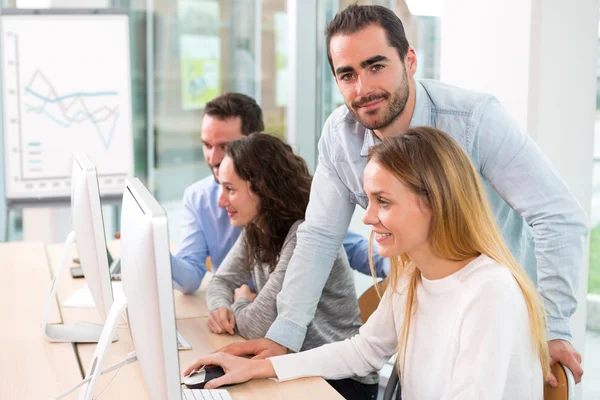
469 339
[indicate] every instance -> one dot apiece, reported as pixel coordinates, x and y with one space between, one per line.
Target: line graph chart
57 100
65 110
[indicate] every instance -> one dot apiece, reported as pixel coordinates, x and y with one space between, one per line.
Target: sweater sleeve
364 353
253 318
230 276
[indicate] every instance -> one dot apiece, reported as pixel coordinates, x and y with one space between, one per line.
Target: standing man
374 68
207 231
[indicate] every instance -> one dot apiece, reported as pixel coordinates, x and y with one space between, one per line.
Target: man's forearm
558 268
187 276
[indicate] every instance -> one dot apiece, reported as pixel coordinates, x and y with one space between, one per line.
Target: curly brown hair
281 180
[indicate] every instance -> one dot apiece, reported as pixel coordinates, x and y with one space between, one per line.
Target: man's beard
396 106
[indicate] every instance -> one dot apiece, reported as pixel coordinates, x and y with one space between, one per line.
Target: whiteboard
66 87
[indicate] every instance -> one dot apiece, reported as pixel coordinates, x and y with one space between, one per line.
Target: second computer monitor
88 225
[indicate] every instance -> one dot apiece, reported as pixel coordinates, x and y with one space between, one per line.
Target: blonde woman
463 316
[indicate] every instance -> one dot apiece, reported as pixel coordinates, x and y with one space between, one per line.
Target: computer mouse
197 380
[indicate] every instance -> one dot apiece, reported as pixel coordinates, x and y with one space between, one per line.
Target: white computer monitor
148 299
148 288
88 225
88 234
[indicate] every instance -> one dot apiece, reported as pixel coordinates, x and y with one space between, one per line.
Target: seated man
207 231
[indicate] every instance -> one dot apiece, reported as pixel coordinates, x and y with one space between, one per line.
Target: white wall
563 103
485 47
539 58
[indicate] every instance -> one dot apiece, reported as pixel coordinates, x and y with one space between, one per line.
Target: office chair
393 391
566 384
369 301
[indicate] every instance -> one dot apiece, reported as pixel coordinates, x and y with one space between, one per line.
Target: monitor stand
95 368
82 332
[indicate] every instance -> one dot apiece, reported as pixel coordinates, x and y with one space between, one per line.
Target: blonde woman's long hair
432 165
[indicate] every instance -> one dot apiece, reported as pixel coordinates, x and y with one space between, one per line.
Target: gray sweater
337 316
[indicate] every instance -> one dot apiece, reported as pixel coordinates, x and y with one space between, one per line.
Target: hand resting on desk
244 292
222 320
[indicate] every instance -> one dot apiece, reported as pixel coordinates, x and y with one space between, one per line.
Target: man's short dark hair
355 18
232 105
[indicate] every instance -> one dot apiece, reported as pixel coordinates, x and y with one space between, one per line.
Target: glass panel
201 48
273 95
204 48
139 93
591 386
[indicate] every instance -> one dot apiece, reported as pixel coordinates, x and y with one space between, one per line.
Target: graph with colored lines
63 93
41 98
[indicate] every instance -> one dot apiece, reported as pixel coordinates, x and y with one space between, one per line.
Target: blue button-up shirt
207 232
540 219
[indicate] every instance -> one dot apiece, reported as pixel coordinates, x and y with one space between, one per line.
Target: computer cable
131 357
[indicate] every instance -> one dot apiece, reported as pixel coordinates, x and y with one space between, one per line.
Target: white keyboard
182 343
205 394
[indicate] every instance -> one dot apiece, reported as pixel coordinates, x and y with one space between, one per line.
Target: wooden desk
30 367
187 306
25 353
203 342
128 384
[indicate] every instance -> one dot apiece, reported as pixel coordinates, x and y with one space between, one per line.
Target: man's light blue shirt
540 219
207 232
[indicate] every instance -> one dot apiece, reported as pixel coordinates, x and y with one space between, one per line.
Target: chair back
393 390
566 384
369 301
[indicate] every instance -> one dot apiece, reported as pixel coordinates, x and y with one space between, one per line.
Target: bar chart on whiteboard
66 87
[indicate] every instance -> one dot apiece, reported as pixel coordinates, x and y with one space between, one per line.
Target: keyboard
115 270
205 394
182 344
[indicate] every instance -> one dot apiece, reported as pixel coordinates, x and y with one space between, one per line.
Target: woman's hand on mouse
222 320
237 369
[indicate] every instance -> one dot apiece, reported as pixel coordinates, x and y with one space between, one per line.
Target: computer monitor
148 300
88 233
148 288
88 225
148 296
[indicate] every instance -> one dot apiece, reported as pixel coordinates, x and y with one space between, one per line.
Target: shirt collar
421 117
422 113
370 140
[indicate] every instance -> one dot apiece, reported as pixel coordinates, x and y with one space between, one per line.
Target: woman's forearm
263 369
